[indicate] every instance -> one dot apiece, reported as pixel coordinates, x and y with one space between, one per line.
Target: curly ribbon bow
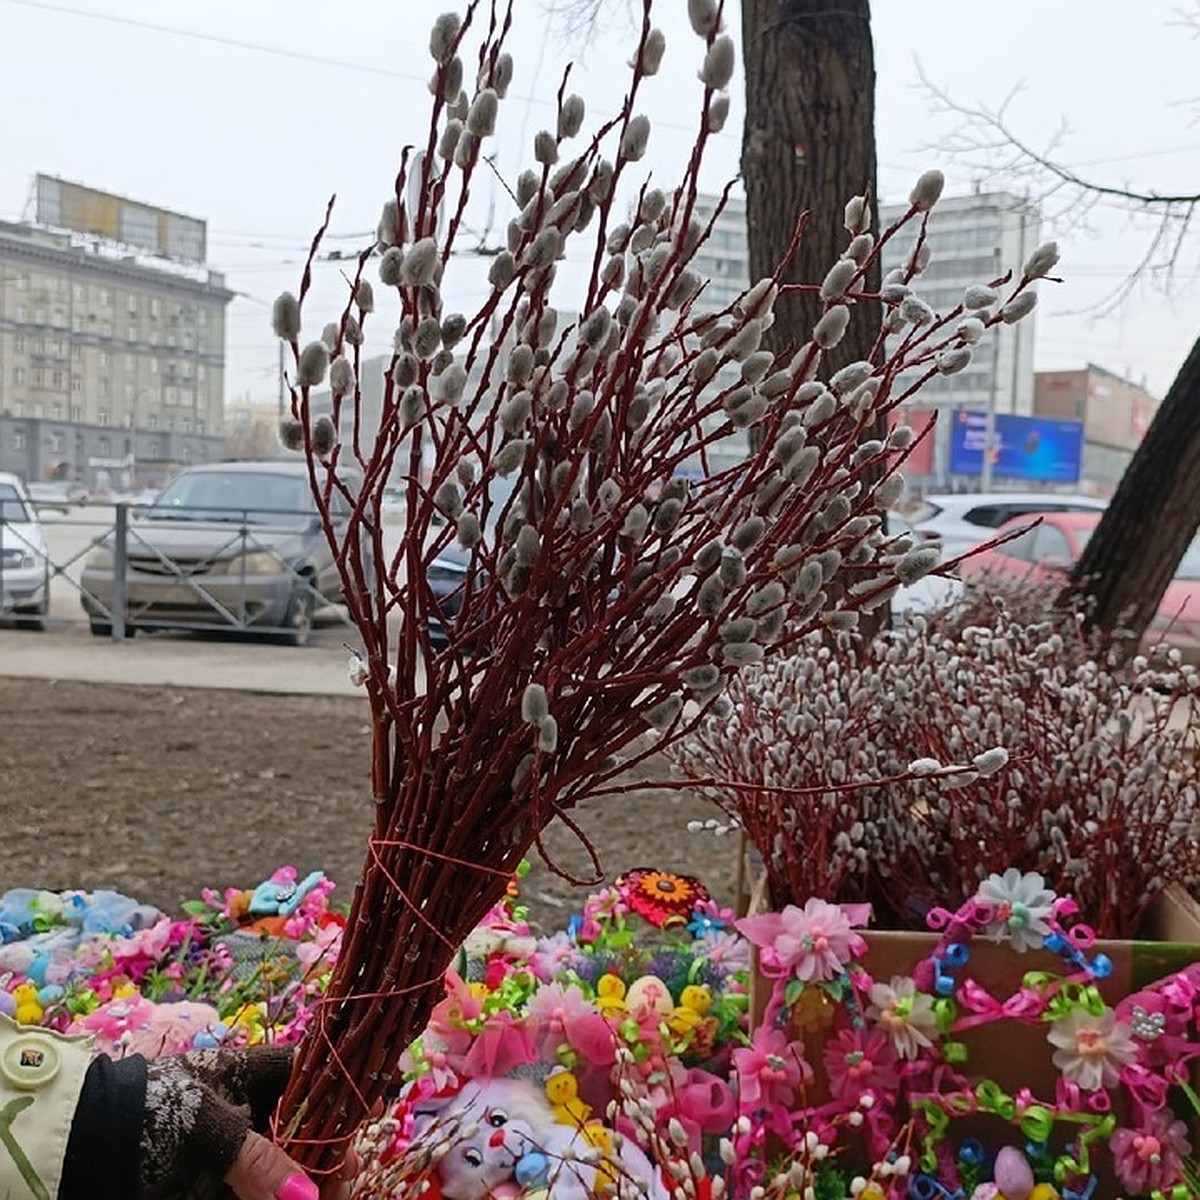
1025 1004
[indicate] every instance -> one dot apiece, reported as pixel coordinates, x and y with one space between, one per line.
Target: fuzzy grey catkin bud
1042 261
324 437
635 138
515 411
717 70
742 654
468 532
341 376
653 49
758 299
951 361
545 248
635 523
684 288
581 409
352 333
444 36
481 119
314 362
1018 307
427 338
547 736
451 383
520 364
453 327
664 714
570 116
860 248
917 563
285 317
890 490
509 457
527 546
857 215
448 142
970 329
535 706
704 16
331 335
977 296
747 340
711 596
718 112
291 434
448 500
757 365
850 376
831 328
667 515
927 191
839 278
451 81
390 265
364 296
914 310
990 761
387 232
595 328
545 148
701 678
412 405
420 263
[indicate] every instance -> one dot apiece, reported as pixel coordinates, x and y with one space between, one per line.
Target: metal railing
236 570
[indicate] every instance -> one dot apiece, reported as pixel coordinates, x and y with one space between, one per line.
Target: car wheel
298 623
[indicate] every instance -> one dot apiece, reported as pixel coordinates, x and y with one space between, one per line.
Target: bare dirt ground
159 792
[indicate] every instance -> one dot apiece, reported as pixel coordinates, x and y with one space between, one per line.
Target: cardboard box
1009 1052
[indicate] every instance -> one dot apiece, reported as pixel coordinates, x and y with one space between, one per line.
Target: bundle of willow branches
616 577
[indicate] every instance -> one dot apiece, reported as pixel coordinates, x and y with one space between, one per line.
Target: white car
24 563
959 522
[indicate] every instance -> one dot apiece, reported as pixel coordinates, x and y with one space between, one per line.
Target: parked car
960 522
1048 552
54 495
237 546
24 563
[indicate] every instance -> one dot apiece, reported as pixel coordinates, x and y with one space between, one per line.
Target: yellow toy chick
29 1009
562 1090
610 995
694 1002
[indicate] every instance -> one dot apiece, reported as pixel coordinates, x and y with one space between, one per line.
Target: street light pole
989 421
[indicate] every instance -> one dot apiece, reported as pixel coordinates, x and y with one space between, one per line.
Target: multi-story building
973 239
724 259
1115 412
112 363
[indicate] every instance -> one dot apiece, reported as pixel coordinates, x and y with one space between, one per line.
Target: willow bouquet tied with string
615 578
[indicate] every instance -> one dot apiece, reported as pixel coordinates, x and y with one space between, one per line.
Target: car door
1052 555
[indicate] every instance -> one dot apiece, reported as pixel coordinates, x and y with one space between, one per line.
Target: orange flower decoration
661 897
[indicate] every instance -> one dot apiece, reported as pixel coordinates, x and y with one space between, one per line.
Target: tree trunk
808 146
1131 558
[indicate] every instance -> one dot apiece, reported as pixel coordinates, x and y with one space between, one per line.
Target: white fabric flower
904 1014
1091 1050
1022 904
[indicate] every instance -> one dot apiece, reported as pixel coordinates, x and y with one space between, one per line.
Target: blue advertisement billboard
1038 448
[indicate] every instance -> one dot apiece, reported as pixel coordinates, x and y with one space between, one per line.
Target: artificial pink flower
768 1071
812 943
1149 1159
858 1061
1091 1050
905 1014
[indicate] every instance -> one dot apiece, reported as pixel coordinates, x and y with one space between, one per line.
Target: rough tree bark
1130 559
808 146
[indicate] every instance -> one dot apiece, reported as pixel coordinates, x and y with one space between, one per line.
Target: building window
133 333
60 317
18 375
129 390
22 281
187 426
59 348
18 409
58 381
56 412
200 373
78 292
155 448
19 344
76 324
104 360
39 316
77 383
133 305
39 410
170 396
187 454
130 362
199 426
155 307
104 445
56 443
76 412
102 417
103 389
154 366
39 377
18 439
105 297
77 351
152 421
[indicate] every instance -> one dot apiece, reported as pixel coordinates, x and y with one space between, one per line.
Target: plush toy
610 995
562 1090
28 1009
282 895
135 1025
27 910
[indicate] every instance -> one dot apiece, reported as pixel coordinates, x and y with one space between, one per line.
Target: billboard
66 205
1038 448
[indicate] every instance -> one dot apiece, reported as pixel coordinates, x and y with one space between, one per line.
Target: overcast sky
249 113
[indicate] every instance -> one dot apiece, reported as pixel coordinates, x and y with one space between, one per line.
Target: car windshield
12 507
257 497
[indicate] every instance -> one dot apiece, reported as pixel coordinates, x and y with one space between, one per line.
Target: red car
1047 553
